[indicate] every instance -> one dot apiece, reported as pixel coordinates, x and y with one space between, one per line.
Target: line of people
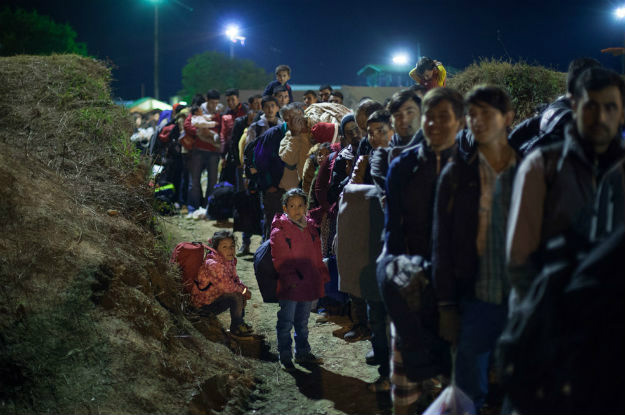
435 215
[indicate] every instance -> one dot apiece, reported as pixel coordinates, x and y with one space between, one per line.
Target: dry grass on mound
528 85
90 308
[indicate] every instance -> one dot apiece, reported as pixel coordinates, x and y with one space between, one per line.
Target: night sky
329 41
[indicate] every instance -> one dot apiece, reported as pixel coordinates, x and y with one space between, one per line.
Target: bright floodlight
232 31
400 59
620 12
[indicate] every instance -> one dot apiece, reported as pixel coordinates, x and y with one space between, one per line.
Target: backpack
266 274
189 256
164 197
165 133
410 300
221 202
561 350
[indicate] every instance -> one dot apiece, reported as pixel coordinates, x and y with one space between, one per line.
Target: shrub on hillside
528 85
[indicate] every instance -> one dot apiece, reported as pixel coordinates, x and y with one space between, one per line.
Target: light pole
232 32
156 3
156 92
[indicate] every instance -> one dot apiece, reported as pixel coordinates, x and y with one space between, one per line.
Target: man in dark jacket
235 107
268 163
574 188
468 256
410 189
548 126
405 109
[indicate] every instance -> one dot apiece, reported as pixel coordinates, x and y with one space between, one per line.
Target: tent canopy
148 104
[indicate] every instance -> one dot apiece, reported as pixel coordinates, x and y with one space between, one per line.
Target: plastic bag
451 401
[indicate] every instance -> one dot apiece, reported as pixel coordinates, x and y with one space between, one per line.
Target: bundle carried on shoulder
326 112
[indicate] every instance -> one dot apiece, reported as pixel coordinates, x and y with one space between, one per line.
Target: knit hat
345 120
324 132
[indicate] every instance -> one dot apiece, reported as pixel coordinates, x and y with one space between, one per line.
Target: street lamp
400 59
232 32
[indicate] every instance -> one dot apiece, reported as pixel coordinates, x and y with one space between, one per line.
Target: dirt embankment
91 315
90 310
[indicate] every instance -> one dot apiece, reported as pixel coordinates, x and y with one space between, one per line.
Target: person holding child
296 254
218 287
283 74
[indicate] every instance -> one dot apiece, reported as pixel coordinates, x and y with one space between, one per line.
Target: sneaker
242 330
357 332
308 358
370 358
381 384
244 250
287 365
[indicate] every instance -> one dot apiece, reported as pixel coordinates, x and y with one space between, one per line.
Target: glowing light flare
620 12
233 33
401 59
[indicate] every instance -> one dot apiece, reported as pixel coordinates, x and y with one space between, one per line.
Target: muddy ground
338 386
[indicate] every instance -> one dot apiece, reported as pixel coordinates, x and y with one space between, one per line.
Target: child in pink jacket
218 287
296 254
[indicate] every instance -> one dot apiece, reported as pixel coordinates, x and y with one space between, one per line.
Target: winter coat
266 158
293 152
410 191
560 190
455 258
233 156
239 111
296 255
310 169
258 128
382 157
543 129
215 278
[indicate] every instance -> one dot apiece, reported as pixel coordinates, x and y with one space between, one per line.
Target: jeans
233 301
200 161
481 325
185 179
272 204
376 312
293 314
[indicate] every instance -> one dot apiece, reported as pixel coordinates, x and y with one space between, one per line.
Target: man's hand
247 294
449 324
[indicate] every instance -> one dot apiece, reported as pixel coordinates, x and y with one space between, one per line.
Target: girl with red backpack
218 287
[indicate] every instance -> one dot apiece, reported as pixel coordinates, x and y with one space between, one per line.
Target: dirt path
338 386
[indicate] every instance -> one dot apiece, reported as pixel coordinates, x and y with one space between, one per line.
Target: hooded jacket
215 278
296 255
560 190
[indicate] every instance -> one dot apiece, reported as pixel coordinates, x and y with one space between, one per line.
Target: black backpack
562 348
266 274
221 202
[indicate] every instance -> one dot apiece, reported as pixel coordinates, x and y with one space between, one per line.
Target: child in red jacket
218 287
296 254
